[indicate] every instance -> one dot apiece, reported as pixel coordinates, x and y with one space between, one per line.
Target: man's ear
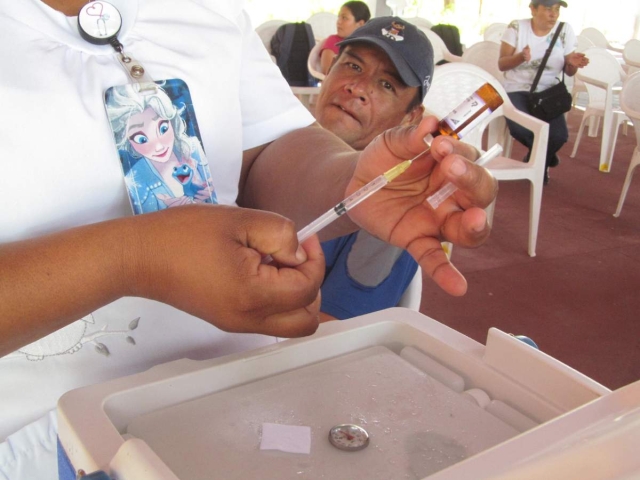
414 116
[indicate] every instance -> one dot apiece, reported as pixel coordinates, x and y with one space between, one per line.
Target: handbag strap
546 57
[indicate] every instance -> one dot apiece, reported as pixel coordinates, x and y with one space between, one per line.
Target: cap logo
394 32
426 85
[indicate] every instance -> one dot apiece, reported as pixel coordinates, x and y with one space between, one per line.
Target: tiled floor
579 298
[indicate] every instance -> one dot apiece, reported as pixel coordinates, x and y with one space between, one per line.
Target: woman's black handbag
552 102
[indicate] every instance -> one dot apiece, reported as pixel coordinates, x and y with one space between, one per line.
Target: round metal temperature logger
349 437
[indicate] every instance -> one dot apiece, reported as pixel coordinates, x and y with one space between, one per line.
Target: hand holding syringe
376 184
464 118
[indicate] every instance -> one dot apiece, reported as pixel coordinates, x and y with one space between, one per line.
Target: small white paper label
286 438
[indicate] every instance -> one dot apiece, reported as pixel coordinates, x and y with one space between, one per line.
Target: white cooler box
434 404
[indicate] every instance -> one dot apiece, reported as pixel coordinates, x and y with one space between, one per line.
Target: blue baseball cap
548 3
406 45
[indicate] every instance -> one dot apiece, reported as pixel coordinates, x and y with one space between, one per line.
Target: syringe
376 184
355 198
445 192
351 201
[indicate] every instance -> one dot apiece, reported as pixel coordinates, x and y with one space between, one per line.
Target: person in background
90 292
374 84
351 16
523 46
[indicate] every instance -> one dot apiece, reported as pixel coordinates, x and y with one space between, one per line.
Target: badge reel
99 23
153 125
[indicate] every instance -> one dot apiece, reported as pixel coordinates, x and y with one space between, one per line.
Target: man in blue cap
378 81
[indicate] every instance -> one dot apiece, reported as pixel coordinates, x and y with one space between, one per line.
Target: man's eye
353 66
388 86
139 138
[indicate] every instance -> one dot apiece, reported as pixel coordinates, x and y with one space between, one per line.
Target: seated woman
351 16
524 44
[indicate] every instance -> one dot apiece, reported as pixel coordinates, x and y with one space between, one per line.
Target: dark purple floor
579 298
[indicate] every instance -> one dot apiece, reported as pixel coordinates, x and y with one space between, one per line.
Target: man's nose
361 89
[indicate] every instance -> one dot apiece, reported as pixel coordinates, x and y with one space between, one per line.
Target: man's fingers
433 260
468 229
476 186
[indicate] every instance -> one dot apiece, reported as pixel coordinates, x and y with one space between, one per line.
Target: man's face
363 95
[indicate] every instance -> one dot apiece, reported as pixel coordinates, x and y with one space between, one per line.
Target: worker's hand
399 212
206 260
526 54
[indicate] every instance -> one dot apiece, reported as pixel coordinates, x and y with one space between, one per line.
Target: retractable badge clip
99 23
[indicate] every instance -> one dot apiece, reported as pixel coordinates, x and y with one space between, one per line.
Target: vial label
463 112
473 124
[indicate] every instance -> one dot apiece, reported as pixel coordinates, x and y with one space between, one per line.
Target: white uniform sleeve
269 108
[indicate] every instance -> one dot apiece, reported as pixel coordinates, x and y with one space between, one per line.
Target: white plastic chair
598 38
440 50
600 77
631 55
267 30
485 55
630 103
583 42
493 33
574 84
313 61
306 95
413 294
323 24
452 83
419 22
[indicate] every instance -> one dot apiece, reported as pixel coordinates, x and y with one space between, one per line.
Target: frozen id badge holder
158 141
154 127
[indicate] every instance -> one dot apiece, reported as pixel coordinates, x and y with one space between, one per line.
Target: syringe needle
351 201
355 198
445 192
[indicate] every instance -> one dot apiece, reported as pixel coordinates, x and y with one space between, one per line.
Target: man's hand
399 212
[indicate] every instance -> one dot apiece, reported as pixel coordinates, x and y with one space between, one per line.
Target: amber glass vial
470 112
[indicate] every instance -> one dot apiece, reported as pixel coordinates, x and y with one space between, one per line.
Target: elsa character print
167 167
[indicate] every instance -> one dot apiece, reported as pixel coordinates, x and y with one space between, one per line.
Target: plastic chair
440 50
631 55
600 77
313 62
630 103
485 55
267 30
323 24
452 83
413 294
306 95
493 33
575 85
419 22
598 38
